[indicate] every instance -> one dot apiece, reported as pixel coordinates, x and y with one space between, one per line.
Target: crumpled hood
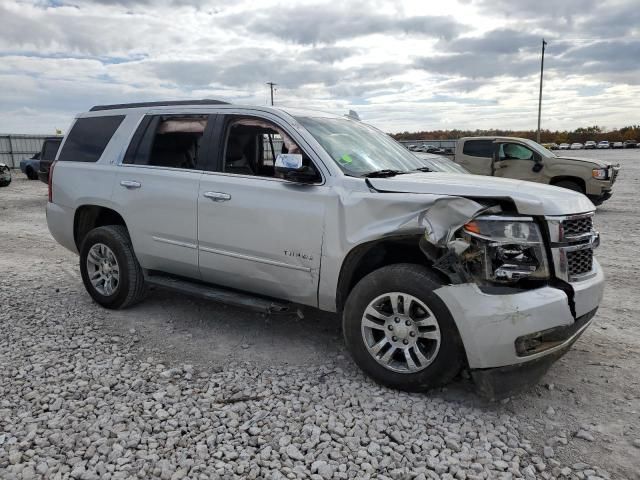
529 198
594 161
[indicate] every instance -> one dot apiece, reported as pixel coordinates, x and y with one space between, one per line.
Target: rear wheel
401 333
109 268
31 174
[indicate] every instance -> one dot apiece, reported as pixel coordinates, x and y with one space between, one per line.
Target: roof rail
118 106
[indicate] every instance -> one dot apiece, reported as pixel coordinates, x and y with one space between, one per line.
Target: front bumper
491 324
500 382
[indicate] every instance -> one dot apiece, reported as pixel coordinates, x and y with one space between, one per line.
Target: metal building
15 147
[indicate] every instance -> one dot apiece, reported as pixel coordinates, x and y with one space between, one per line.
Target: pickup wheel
401 333
110 271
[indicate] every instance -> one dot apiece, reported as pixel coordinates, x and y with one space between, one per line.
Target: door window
515 151
478 148
169 141
251 146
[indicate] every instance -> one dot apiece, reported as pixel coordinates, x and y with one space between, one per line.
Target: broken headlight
507 249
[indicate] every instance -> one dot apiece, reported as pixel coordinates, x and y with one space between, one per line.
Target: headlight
599 173
509 249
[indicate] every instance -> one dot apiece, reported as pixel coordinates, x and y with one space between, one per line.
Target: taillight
53 164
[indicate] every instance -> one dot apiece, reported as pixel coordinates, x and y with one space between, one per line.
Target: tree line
581 134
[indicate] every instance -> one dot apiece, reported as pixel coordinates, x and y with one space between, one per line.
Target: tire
129 288
442 358
31 175
570 185
5 183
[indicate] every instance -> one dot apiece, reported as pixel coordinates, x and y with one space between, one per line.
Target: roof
493 137
119 106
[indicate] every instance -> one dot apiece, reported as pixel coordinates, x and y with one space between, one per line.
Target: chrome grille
580 262
577 226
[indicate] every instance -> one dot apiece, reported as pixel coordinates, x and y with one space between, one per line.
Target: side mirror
537 166
286 162
289 165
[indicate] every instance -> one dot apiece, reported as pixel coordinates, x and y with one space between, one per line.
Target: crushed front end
522 289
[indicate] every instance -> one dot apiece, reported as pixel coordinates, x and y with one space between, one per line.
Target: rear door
156 190
258 232
476 156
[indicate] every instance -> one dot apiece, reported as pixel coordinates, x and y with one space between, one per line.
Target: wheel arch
569 178
372 255
87 217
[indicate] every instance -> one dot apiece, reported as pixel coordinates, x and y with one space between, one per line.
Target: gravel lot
178 388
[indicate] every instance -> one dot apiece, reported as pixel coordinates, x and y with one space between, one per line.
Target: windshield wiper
422 169
383 173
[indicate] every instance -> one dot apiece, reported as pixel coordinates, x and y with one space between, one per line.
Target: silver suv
268 207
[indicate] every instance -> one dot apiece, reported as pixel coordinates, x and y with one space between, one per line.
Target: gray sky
401 65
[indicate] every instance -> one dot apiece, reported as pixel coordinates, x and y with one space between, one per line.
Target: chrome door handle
217 196
130 184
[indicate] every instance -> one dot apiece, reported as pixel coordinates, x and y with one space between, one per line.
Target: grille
614 174
577 226
580 261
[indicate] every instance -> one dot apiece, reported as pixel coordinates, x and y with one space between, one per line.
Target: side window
50 149
478 148
88 138
172 141
251 146
515 151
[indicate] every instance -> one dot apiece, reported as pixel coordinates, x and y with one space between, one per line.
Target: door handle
217 196
130 184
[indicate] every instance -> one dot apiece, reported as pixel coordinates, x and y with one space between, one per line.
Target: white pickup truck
266 207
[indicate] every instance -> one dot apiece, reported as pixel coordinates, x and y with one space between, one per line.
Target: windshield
545 152
359 149
441 164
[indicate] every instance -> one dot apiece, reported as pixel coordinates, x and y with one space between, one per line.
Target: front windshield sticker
346 158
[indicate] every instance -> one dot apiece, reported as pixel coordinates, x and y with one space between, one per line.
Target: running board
222 295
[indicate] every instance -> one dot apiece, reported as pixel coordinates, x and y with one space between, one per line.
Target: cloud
459 64
329 23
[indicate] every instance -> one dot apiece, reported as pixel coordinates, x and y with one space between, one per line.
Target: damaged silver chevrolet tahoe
264 207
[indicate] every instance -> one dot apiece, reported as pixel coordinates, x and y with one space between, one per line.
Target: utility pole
540 97
271 85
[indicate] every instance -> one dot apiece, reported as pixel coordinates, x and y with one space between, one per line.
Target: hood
594 161
529 198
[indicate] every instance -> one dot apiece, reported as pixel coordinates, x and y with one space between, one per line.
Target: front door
156 190
258 232
518 161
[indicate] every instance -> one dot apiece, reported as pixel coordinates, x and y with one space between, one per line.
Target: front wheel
109 268
570 185
401 333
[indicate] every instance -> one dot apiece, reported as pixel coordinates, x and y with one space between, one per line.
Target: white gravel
86 395
76 403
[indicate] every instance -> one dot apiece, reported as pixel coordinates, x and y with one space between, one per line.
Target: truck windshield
545 152
359 149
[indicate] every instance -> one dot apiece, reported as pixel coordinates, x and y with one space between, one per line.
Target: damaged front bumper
500 382
519 329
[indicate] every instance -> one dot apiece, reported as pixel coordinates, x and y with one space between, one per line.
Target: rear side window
478 148
50 148
170 141
88 138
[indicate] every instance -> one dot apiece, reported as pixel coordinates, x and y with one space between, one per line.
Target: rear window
88 138
50 148
478 148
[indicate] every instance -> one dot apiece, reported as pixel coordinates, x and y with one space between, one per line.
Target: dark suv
47 156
